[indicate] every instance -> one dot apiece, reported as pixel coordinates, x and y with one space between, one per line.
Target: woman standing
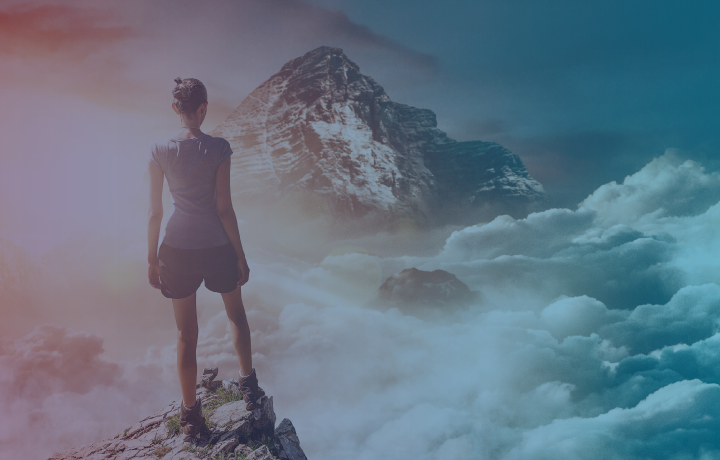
202 242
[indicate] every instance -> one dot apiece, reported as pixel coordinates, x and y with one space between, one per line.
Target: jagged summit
319 128
327 57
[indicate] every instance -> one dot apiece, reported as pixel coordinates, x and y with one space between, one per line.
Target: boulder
261 453
289 441
425 294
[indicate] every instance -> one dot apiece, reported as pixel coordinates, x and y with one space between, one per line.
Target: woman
202 242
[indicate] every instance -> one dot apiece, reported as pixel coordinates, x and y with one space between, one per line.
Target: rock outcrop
234 432
424 294
319 131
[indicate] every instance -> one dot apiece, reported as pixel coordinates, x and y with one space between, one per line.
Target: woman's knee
188 337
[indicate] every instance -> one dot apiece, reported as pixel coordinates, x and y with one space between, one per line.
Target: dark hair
189 94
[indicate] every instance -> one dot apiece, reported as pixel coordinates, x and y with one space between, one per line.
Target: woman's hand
244 271
154 274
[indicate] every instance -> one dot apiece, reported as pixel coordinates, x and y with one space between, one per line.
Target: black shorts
183 270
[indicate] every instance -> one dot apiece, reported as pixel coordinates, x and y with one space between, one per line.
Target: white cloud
599 340
676 421
578 316
665 187
57 390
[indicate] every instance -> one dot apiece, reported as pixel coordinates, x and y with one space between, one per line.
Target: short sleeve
153 158
225 151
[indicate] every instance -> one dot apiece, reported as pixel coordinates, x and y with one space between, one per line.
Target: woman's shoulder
217 143
220 145
221 141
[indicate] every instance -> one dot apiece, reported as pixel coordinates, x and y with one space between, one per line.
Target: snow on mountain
321 129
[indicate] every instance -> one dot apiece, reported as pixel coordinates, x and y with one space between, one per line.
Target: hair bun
181 91
189 93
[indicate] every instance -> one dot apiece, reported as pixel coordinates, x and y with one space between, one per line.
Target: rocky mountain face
322 131
234 432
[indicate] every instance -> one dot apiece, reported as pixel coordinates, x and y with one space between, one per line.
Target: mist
598 328
596 333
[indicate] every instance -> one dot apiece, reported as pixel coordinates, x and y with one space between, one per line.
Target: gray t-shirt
190 166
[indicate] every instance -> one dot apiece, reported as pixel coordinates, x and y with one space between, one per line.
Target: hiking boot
192 421
251 391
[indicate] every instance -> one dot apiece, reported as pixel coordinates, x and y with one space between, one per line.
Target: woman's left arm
155 216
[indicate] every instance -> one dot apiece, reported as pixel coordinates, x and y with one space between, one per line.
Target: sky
585 93
598 333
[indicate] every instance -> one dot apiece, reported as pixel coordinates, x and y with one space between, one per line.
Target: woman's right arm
155 215
227 217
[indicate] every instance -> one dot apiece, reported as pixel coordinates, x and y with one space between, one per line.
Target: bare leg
240 329
187 335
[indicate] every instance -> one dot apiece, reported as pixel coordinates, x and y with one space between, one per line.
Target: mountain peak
324 51
320 128
323 56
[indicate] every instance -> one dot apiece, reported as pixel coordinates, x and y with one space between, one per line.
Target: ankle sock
245 376
190 408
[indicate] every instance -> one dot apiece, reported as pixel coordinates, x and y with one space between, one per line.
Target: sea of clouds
597 338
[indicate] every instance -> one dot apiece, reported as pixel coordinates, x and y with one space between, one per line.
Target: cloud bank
597 338
58 390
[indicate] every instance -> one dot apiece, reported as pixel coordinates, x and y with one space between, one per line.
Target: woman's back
202 244
190 166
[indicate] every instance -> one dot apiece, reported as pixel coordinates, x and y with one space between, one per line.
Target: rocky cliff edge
234 433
